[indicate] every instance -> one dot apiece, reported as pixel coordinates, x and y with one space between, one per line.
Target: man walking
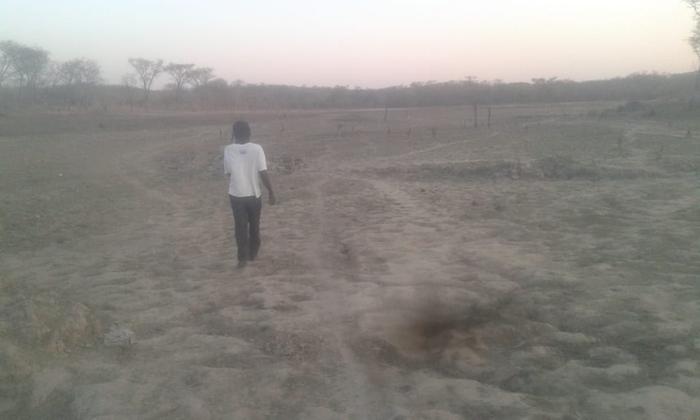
245 163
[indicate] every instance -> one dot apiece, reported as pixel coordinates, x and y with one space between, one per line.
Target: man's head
241 132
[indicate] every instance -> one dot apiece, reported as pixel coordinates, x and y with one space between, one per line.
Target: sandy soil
418 268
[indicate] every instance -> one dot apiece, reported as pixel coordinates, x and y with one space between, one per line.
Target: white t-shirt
244 162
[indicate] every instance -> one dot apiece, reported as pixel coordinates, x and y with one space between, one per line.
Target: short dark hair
241 130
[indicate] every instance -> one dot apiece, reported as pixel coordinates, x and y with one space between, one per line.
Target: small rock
119 337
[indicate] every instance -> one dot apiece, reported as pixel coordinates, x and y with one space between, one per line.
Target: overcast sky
364 43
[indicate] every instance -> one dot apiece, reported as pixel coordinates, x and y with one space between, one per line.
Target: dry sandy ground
545 268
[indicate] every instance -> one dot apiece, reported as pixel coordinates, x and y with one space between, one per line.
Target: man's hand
266 181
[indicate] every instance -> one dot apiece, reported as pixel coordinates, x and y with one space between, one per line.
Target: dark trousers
246 217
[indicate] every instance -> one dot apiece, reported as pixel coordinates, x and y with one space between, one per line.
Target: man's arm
227 170
262 170
266 182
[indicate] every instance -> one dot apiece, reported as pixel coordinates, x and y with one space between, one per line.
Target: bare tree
6 49
200 76
52 74
80 71
181 74
147 71
694 42
78 77
27 63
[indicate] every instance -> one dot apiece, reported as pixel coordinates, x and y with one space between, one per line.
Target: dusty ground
545 268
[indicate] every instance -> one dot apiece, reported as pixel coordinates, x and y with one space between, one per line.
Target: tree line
34 78
28 69
182 75
29 76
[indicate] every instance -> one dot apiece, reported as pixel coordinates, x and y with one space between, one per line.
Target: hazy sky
361 42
